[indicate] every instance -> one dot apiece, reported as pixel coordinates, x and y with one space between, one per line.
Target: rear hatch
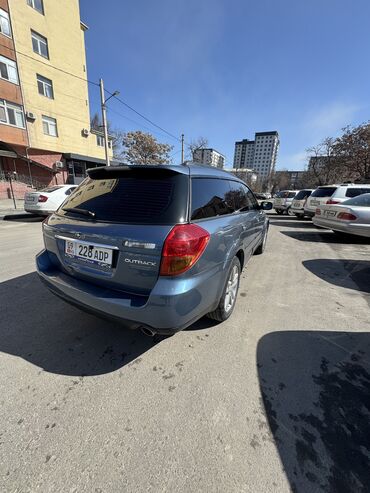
111 230
319 197
31 198
284 199
300 199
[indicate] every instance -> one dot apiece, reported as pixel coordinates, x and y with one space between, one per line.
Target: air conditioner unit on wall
30 115
59 164
85 132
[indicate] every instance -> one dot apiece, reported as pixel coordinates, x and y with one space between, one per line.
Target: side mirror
266 205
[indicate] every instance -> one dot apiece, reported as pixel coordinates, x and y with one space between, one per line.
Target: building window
37 5
40 44
5 23
100 141
45 86
8 70
11 114
49 126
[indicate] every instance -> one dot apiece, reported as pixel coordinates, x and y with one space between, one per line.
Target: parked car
351 217
47 200
156 247
283 200
348 191
318 197
263 196
299 202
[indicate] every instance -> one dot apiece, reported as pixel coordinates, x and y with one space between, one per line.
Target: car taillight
318 212
330 201
182 248
43 198
346 216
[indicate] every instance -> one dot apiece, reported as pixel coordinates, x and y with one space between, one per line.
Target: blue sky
225 69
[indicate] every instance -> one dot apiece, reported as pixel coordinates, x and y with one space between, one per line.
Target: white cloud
330 119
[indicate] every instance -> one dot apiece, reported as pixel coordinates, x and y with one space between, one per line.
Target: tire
261 247
226 305
278 211
289 212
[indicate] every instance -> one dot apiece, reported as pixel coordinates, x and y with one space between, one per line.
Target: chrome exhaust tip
147 331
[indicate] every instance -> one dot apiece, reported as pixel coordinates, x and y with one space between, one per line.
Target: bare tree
143 148
324 164
352 149
199 143
115 135
280 180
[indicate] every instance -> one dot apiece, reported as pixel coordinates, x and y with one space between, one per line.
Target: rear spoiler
144 171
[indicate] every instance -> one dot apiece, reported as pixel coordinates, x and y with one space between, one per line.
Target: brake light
182 248
43 198
318 212
330 201
346 216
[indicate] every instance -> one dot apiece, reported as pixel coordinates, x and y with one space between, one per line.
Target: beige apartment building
45 134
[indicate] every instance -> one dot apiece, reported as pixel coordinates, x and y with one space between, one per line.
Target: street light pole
104 119
182 148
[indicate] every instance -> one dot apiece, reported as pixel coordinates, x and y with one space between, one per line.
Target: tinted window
324 192
284 194
237 196
144 196
361 200
303 194
353 192
210 198
290 195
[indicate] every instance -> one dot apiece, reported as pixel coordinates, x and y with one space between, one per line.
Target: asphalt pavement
276 399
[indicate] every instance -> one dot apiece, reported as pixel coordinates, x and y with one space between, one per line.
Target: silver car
299 202
351 217
283 201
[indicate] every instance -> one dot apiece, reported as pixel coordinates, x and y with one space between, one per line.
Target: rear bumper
37 210
349 228
296 210
173 304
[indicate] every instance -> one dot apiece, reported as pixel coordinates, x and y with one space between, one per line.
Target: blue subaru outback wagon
155 247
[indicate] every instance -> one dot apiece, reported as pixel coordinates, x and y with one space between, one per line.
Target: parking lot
274 399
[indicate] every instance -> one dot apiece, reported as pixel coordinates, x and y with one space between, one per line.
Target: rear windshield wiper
83 212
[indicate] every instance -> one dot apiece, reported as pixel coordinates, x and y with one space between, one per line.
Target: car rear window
362 200
285 195
323 192
144 196
353 192
302 194
51 189
210 197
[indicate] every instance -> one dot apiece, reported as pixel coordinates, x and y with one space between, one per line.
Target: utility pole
182 148
104 119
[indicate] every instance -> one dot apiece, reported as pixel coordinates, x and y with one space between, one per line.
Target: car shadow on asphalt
32 218
293 224
44 330
326 236
315 388
351 274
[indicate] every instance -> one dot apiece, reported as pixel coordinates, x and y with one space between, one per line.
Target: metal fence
24 179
